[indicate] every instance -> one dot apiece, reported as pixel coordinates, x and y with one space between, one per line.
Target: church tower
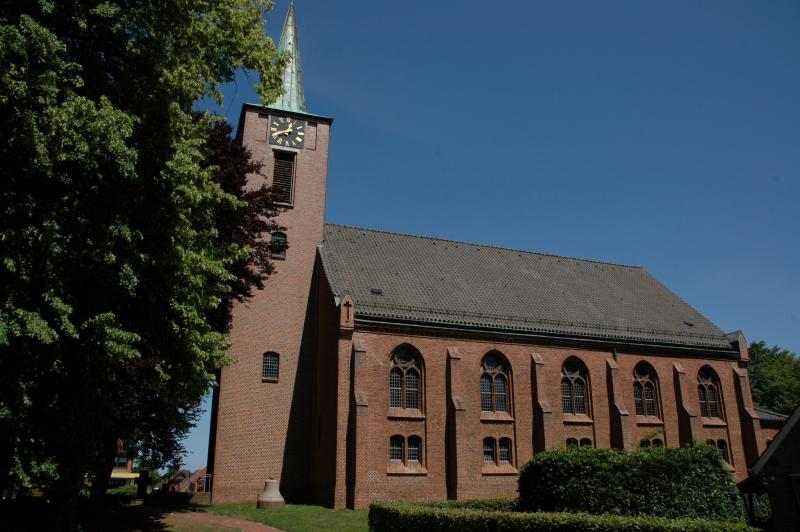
262 407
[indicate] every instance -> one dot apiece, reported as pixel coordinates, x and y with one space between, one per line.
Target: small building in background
777 473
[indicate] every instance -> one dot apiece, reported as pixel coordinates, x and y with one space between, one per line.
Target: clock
286 131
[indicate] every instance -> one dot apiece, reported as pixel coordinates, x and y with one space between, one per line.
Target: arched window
655 442
574 388
405 379
645 390
708 393
414 452
489 451
405 451
396 449
722 445
495 384
586 442
504 451
572 442
270 366
277 245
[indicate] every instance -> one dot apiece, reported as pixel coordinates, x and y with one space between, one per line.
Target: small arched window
405 379
396 449
495 384
645 390
708 393
504 451
414 452
574 388
722 445
277 245
489 451
572 442
270 367
586 442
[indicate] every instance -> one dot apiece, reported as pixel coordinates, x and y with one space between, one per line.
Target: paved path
233 522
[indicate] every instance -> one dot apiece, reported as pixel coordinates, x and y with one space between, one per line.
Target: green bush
487 505
657 481
401 517
126 490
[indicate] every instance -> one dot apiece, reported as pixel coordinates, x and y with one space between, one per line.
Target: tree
774 377
113 262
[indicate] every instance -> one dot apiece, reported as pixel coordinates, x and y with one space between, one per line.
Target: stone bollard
271 496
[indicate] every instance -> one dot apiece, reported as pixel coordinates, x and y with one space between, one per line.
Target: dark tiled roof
769 415
466 285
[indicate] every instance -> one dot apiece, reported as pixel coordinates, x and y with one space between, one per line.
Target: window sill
578 420
713 422
405 413
497 417
284 205
649 421
399 469
500 470
263 379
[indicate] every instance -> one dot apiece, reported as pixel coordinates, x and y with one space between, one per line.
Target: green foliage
774 377
112 265
124 491
397 517
486 505
687 482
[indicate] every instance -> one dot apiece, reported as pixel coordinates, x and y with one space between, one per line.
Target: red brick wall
257 421
378 483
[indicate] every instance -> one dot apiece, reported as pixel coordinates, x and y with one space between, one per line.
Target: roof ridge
514 250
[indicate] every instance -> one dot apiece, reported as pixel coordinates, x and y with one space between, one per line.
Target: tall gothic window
495 384
574 388
645 390
405 379
708 393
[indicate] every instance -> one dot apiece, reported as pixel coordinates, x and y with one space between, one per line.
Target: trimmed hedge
658 481
486 505
404 516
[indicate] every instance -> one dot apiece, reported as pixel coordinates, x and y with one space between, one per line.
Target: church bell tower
262 407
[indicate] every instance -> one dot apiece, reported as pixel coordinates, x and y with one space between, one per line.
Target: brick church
379 365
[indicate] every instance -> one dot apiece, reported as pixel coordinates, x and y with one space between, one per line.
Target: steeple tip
293 98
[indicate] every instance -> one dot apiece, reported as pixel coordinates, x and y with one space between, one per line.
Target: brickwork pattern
258 421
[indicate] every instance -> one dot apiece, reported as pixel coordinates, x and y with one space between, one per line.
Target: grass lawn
296 517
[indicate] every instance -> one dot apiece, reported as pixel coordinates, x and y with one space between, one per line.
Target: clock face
286 131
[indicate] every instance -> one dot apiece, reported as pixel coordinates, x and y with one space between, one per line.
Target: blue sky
660 134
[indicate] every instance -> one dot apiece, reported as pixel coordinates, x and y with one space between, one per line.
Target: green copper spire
292 98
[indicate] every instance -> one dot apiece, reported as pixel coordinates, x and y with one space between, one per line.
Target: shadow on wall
296 473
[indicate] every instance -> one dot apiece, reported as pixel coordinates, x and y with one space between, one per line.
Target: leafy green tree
112 265
774 377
